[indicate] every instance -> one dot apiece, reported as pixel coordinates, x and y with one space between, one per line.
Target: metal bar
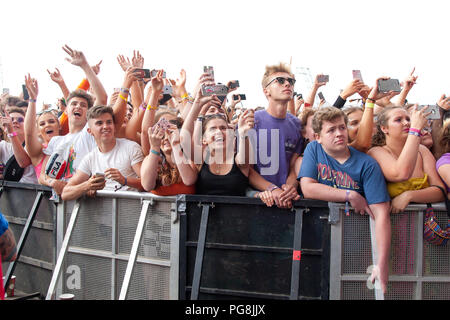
23 236
378 292
253 248
36 224
296 254
419 254
174 253
114 248
200 251
62 252
134 250
36 262
336 256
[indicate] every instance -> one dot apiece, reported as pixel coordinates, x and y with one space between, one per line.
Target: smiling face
17 122
76 112
215 134
102 128
48 126
166 147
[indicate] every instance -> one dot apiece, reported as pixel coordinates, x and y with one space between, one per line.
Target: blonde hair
281 67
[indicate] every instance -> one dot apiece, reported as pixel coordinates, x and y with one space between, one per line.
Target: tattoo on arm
8 247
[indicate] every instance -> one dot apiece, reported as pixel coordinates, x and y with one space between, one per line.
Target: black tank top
233 183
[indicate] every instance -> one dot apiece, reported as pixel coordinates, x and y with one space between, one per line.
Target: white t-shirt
73 147
122 157
6 152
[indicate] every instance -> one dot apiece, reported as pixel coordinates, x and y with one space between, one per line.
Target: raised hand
137 60
77 58
353 87
246 122
158 82
410 81
155 136
375 94
56 76
444 102
96 68
418 118
124 63
32 87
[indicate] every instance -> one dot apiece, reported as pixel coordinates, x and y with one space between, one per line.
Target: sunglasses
18 119
55 111
281 81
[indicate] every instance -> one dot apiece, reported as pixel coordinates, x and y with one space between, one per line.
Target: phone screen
389 85
357 75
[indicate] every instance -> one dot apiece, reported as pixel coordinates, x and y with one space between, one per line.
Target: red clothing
174 189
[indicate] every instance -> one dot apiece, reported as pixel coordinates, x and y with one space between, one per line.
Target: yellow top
396 188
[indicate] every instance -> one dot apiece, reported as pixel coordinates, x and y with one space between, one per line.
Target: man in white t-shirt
113 164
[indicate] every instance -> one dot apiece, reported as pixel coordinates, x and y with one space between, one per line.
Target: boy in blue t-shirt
333 171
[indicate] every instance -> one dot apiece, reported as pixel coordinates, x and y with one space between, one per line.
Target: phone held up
236 96
434 109
323 78
357 75
385 86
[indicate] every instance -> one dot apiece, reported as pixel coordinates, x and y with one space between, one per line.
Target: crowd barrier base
138 246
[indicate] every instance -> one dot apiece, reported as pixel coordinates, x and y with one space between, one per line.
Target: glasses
53 110
281 81
18 119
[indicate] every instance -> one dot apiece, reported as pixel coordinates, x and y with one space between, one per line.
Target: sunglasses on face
281 81
18 119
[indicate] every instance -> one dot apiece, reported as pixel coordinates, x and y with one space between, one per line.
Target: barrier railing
130 245
418 270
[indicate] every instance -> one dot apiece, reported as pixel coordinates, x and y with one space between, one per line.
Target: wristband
155 152
200 118
123 98
142 106
125 182
414 133
184 96
125 90
149 107
370 105
32 100
414 130
12 134
271 187
371 100
307 104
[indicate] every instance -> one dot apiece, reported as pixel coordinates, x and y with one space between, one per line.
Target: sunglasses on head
53 110
281 80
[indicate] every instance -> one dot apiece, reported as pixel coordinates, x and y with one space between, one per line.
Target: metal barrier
130 245
418 270
101 255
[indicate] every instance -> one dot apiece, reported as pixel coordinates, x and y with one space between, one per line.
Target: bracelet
155 152
12 134
32 100
125 183
149 107
142 106
200 118
370 105
414 130
271 187
184 96
371 100
125 90
347 210
123 98
414 133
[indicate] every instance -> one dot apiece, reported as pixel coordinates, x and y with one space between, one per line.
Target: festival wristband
32 100
123 98
271 187
142 106
414 133
125 90
371 100
149 107
125 182
155 152
370 105
12 134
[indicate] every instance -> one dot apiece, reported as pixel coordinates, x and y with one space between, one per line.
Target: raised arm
59 80
311 96
33 145
77 58
408 84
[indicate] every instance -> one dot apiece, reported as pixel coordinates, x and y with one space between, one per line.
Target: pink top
38 168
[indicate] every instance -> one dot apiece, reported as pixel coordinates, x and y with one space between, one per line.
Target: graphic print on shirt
70 160
339 179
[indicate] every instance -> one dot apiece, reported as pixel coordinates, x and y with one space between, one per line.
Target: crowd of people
152 134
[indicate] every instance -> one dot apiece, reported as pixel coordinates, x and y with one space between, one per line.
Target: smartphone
142 73
357 75
236 96
100 174
209 69
389 85
163 123
218 89
433 108
116 89
234 84
154 72
321 96
6 90
166 97
299 96
26 97
323 78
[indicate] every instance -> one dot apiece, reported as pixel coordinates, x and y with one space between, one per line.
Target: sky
238 38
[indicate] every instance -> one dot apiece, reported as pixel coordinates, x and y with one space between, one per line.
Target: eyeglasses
281 81
18 119
53 110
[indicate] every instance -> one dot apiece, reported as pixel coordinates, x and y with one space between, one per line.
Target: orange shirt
174 189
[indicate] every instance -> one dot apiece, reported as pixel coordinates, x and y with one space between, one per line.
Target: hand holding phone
433 111
237 96
387 85
142 73
323 78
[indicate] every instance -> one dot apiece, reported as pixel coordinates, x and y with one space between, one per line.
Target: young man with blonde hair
277 138
333 171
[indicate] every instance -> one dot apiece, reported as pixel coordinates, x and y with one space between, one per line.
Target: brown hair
79 93
326 114
16 110
379 138
444 137
281 67
97 111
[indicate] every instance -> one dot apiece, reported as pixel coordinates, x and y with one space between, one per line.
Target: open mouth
49 132
77 114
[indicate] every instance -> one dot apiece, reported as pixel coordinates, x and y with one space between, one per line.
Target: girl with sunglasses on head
40 127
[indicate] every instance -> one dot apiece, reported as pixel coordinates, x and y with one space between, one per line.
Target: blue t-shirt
360 172
3 224
276 141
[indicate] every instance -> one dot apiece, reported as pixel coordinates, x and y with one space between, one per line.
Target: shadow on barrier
237 248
